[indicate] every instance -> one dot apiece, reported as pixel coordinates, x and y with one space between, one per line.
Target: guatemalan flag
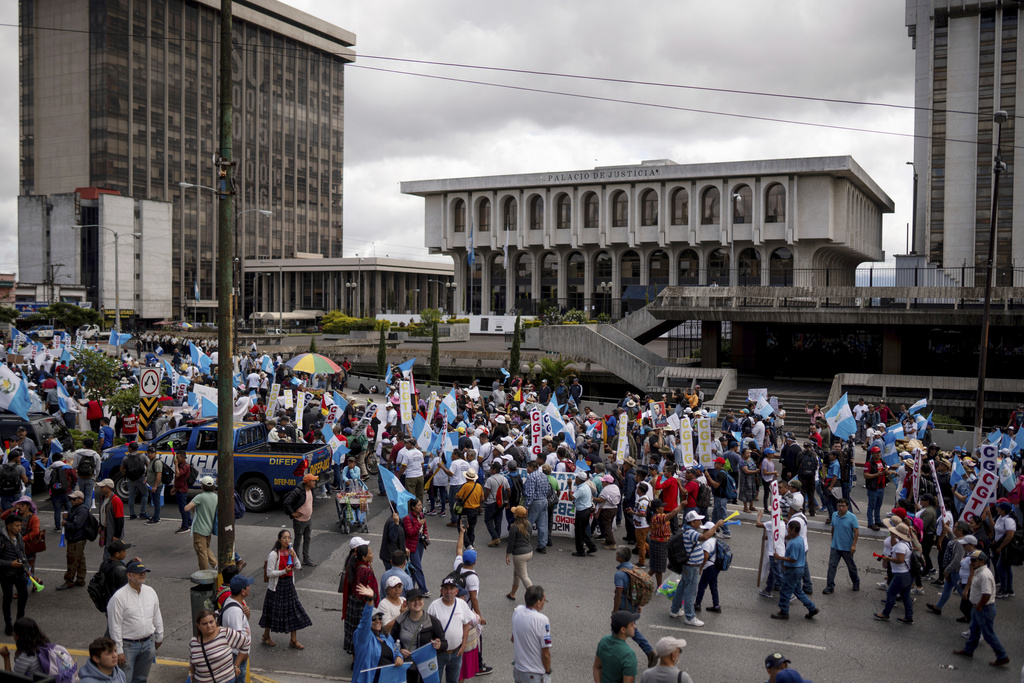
919 406
840 419
449 405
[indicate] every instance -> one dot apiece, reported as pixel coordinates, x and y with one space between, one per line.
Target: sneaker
813 613
715 609
542 550
856 587
792 598
882 585
133 517
183 530
764 594
933 609
828 591
484 670
780 615
693 622
917 591
697 608
1001 594
965 634
674 615
153 521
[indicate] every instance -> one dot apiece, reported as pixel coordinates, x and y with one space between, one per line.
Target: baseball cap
108 483
623 618
774 659
136 568
357 541
207 481
969 539
239 582
668 645
413 594
76 494
720 461
393 581
976 555
448 581
117 546
693 516
469 556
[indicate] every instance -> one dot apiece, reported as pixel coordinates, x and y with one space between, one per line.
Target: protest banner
754 394
704 437
942 501
778 538
985 490
658 417
275 389
564 521
300 408
917 474
623 438
289 402
686 442
405 403
536 432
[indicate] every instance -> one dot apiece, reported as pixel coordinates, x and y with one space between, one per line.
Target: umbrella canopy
313 363
185 326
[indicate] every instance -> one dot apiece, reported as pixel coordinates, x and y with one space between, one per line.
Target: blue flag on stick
397 494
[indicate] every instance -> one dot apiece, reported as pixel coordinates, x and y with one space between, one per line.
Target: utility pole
225 308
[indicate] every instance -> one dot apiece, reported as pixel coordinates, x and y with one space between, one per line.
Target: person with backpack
898 560
685 556
468 581
234 615
723 488
133 467
154 482
633 584
807 471
76 535
709 572
12 479
32 535
60 480
497 494
298 505
184 478
111 516
35 655
111 575
87 464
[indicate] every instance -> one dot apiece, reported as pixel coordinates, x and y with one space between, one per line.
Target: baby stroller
352 503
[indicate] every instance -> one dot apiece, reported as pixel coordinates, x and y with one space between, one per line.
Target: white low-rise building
590 239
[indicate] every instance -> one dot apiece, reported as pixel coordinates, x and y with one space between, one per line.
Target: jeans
791 580
875 507
983 626
686 591
154 498
241 675
442 498
708 579
639 639
7 502
88 489
807 486
186 517
452 492
140 488
1004 572
947 590
138 660
900 587
492 519
336 480
60 504
774 581
471 515
584 542
448 666
719 512
415 567
8 584
301 533
833 564
538 515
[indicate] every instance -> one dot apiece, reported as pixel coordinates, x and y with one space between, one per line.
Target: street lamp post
117 269
606 301
351 286
1000 117
912 237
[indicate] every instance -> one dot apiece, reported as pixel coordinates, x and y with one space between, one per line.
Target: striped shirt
536 487
218 656
691 542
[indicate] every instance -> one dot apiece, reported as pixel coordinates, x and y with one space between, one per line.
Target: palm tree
554 371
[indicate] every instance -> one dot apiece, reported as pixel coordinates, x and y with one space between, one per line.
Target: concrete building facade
589 239
132 107
969 64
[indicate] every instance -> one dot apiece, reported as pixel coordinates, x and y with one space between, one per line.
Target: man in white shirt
486 451
455 616
253 380
135 624
531 640
410 465
456 478
233 614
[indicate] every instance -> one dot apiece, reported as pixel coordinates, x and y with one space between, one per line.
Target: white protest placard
778 538
564 520
405 396
942 501
300 407
917 473
536 432
333 413
985 490
473 393
431 405
620 450
209 393
275 389
704 437
289 402
686 443
754 394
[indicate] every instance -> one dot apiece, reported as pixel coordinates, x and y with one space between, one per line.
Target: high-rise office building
122 95
969 64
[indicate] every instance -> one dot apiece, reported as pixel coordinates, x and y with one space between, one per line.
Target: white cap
692 515
357 541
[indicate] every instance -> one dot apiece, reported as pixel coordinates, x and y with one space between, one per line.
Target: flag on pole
14 394
209 408
425 659
763 408
195 289
958 472
840 419
470 252
917 407
448 406
397 494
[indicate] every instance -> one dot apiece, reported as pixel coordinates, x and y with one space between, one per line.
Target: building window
631 268
603 267
563 212
711 207
680 207
509 215
658 268
649 208
459 215
620 210
775 206
591 211
689 268
780 268
742 204
749 267
536 213
483 215
718 267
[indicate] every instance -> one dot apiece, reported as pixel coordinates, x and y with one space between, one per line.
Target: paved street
843 643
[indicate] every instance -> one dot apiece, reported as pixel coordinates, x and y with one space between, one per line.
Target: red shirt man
691 488
669 487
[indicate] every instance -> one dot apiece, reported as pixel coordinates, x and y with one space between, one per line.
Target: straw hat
899 530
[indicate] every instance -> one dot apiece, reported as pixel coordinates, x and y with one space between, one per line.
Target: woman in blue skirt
282 611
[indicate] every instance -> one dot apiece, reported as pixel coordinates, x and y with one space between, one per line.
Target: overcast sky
403 127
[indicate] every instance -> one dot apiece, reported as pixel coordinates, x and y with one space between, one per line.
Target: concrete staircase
642 326
792 395
609 347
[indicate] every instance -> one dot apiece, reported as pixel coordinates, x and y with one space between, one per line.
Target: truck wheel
256 494
371 463
121 487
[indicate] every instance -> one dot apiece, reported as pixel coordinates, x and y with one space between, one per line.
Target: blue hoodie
89 673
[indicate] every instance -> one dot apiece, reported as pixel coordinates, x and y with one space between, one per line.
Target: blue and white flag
398 496
958 472
406 367
448 406
266 364
199 359
421 432
918 407
159 350
14 394
505 373
557 425
340 402
387 375
995 437
1006 475
209 408
338 448
65 355
195 289
116 338
65 402
425 659
840 419
921 423
55 447
763 408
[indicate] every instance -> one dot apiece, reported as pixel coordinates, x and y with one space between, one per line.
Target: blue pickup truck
264 470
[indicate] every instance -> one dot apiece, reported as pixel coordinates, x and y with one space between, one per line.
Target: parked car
41 332
37 426
88 332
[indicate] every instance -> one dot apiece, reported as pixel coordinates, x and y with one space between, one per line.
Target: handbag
36 546
459 506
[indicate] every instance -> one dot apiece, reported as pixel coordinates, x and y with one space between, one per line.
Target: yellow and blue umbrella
313 364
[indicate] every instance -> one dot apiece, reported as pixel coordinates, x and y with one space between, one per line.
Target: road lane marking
699 631
317 590
751 569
